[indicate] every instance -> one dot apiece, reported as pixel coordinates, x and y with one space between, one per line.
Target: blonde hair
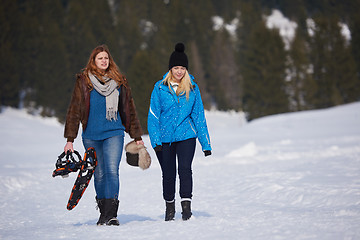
184 87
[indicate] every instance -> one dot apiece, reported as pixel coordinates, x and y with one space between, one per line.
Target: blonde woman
176 118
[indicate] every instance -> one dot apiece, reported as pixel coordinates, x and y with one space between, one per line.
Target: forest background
241 64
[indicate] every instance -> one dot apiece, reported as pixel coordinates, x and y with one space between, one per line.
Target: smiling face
102 61
178 73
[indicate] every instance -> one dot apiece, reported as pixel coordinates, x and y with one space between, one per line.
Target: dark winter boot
170 211
101 206
186 209
111 208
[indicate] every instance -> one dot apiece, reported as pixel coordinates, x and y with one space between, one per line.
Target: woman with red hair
102 102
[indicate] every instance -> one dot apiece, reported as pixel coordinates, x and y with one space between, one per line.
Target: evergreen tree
79 36
53 81
228 9
264 73
300 83
294 9
200 47
44 43
142 75
178 21
353 20
26 47
198 70
128 16
225 80
9 81
334 67
342 70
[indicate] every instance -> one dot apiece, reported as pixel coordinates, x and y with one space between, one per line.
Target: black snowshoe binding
67 165
86 166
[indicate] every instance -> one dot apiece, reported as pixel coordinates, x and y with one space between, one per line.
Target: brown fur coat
78 110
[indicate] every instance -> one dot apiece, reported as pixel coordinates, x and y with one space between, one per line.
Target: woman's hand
69 146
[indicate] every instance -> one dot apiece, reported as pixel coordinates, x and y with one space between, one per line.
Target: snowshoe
67 165
82 181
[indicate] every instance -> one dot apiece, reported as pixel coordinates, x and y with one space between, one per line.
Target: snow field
287 176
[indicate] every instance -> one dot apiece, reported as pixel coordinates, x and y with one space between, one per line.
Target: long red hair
112 71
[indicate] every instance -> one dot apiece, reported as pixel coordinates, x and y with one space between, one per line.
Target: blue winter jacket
173 118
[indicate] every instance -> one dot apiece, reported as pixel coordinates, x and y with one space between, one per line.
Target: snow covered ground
288 176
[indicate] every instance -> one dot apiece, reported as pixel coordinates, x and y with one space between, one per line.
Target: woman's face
102 61
178 72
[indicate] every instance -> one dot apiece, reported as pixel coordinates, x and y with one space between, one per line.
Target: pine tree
264 73
353 20
26 47
334 67
9 81
198 70
44 43
342 70
128 16
79 37
225 79
52 67
178 22
200 47
142 75
300 82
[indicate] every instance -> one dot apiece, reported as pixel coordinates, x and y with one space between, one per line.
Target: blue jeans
106 176
184 150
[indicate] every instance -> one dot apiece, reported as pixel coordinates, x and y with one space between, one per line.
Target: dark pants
184 150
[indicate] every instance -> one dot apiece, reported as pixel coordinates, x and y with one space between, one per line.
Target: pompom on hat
178 57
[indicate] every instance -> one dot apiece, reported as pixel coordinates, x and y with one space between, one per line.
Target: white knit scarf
108 90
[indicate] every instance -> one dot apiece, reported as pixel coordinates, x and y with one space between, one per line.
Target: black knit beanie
178 57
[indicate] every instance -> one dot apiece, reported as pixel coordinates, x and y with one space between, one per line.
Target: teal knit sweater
98 127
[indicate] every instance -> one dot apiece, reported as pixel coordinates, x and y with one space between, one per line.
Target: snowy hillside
288 176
